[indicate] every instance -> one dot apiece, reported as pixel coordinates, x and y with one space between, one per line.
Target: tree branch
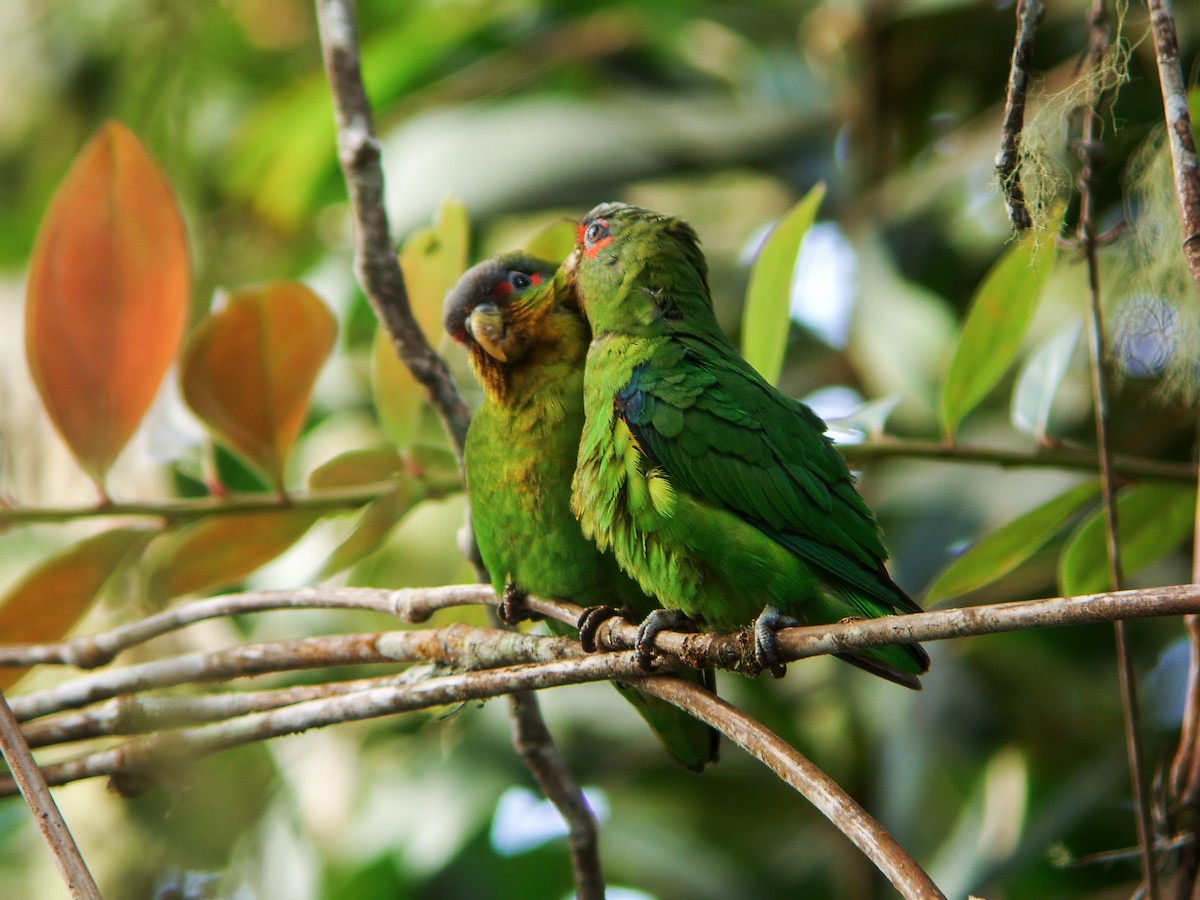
28 778
1179 130
1088 149
795 769
1029 16
375 257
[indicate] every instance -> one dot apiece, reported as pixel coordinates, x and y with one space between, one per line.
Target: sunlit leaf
248 369
1011 544
107 296
399 397
768 297
374 524
554 242
1039 381
432 258
364 466
48 601
1153 518
221 550
996 325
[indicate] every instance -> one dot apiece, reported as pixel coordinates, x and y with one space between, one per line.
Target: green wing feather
722 433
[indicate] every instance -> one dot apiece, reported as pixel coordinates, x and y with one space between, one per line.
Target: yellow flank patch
662 494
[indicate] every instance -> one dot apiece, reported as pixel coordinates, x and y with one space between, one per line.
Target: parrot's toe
513 608
766 646
658 620
590 621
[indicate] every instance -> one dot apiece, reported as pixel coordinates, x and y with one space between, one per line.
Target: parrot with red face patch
722 496
526 342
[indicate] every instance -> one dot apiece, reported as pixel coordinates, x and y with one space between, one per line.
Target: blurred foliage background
1004 769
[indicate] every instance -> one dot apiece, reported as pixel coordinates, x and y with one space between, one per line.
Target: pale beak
486 325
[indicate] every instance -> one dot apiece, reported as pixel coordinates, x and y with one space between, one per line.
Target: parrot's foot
658 620
766 647
590 621
513 608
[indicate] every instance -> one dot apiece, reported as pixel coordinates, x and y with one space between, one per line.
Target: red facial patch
597 242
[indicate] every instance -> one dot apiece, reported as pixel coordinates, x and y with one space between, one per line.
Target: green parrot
720 495
526 343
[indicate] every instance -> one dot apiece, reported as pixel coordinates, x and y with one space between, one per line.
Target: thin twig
141 755
541 757
1088 149
1184 780
185 510
814 785
379 269
1029 16
375 258
28 778
1179 130
1128 467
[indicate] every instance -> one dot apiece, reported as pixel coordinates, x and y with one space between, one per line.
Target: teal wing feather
720 432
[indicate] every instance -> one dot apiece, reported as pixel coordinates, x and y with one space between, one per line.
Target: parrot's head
635 269
513 312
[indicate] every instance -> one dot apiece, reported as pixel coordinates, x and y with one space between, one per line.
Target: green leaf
1153 518
362 466
554 242
768 298
1011 544
374 524
1039 381
996 324
431 258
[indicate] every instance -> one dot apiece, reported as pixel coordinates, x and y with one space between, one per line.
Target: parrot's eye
519 280
595 233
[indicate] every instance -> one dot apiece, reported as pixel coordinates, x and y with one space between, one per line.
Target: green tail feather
690 742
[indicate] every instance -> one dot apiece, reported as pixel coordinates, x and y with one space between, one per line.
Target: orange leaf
248 370
54 596
108 296
220 551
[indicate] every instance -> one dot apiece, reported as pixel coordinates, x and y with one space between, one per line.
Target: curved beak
487 326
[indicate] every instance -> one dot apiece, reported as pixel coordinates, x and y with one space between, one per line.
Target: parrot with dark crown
526 342
722 496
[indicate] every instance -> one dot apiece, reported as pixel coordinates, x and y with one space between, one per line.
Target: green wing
720 432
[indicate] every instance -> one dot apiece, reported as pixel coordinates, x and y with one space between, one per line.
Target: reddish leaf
47 602
221 550
248 370
107 297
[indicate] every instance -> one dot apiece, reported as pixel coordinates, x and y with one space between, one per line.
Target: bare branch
375 257
1029 16
1179 130
476 648
28 778
140 756
541 756
1088 149
700 650
1129 467
794 768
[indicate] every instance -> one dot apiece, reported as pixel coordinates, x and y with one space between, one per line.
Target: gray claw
766 646
658 620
